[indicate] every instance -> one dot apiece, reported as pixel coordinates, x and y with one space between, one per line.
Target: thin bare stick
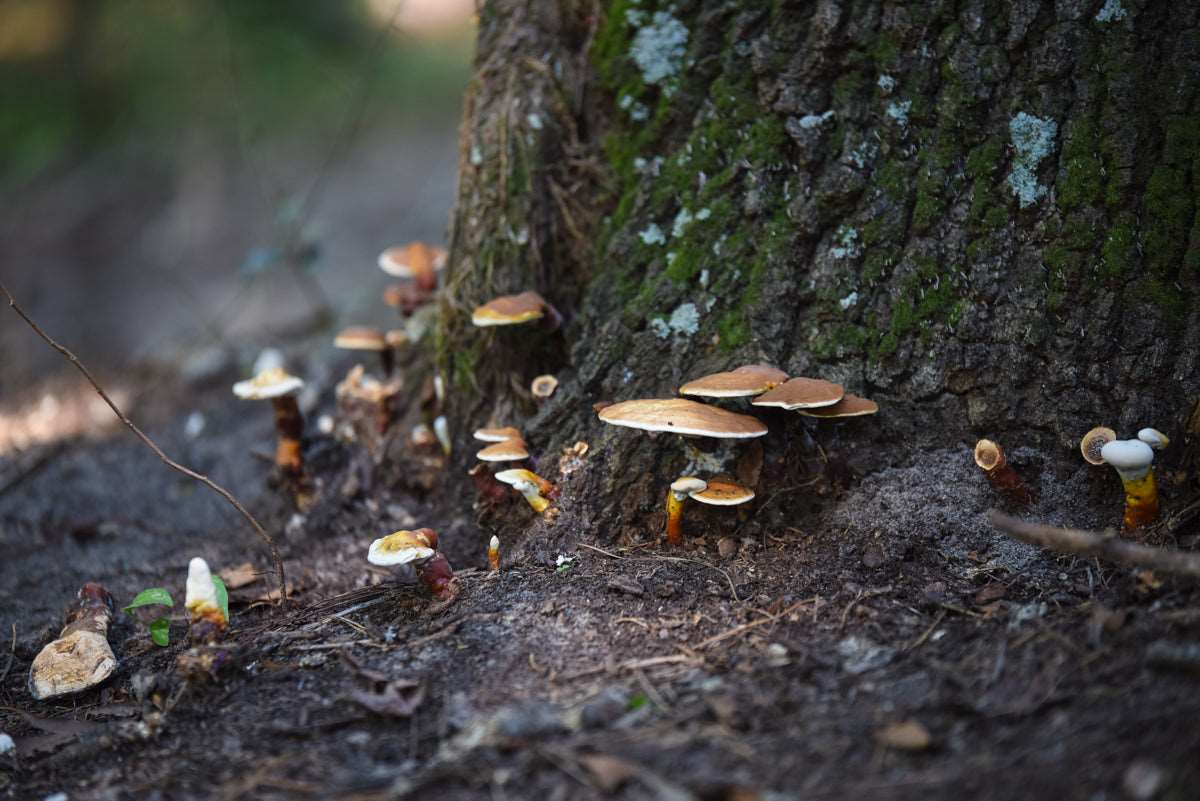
149 443
1105 546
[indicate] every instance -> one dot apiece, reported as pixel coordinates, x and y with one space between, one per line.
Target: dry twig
149 443
1105 546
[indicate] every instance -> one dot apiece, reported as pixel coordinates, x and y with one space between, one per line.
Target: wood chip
608 772
907 735
240 575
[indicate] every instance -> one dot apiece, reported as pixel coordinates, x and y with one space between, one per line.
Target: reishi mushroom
497 434
991 460
525 307
418 548
543 387
208 621
1133 460
722 491
532 487
277 386
676 495
361 338
752 379
510 450
802 393
848 406
416 261
493 553
1094 441
682 416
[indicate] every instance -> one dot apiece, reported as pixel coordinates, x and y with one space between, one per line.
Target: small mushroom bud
493 553
208 619
1133 460
1154 438
676 495
991 460
441 427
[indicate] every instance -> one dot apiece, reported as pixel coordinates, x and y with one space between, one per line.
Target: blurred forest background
180 175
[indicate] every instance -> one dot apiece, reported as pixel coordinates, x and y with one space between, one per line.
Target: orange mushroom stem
438 576
289 423
676 495
493 553
991 460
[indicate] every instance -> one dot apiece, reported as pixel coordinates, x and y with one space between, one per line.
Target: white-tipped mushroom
200 598
403 547
676 495
1133 460
1154 438
441 427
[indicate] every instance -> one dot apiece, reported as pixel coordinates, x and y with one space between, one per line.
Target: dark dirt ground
632 672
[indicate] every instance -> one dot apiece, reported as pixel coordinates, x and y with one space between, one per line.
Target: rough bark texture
980 214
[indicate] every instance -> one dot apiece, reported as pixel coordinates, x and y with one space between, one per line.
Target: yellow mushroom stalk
493 553
1133 460
676 495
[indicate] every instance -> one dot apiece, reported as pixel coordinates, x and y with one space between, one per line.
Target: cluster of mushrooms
768 386
1133 459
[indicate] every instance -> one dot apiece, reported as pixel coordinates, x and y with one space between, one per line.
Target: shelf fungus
526 307
991 460
1094 441
676 495
81 657
1133 460
509 450
496 434
418 548
208 621
848 406
752 379
417 262
682 416
532 487
802 393
371 340
543 387
277 386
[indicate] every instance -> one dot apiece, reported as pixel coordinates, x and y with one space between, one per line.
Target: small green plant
160 627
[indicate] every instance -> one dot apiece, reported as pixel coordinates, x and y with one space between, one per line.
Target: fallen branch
149 443
1104 546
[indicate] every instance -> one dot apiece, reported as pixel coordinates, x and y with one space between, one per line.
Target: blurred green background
183 174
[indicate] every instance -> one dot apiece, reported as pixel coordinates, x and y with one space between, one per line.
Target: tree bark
980 214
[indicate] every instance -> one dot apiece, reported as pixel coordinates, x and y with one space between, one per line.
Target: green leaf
160 632
151 597
222 595
638 701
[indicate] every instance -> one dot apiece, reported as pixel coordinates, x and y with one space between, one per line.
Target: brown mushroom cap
497 434
543 386
415 260
510 310
402 547
848 406
360 338
802 393
510 450
272 383
752 379
682 416
722 491
988 455
1094 441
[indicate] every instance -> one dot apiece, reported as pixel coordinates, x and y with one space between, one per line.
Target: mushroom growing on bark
277 386
802 393
525 307
752 379
532 487
1094 441
848 406
1133 460
676 495
81 657
510 450
682 416
991 460
497 434
543 387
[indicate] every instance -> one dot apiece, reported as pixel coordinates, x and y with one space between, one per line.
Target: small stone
1143 780
605 708
627 585
908 735
860 655
727 547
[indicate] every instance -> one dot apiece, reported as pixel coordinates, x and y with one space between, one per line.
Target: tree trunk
980 214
